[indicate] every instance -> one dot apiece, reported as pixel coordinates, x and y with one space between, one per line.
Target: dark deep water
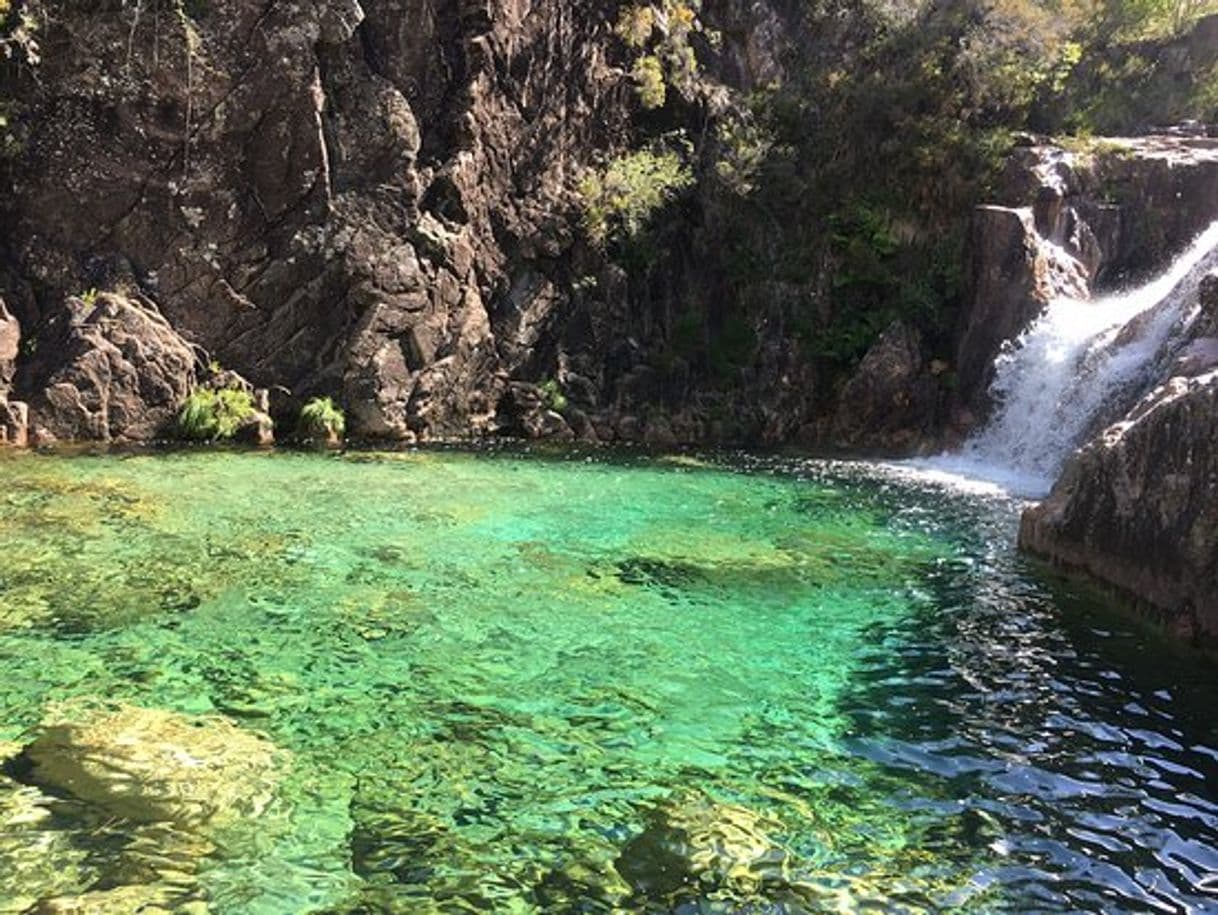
515 684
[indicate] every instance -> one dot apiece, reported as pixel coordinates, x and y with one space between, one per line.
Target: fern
321 419
208 415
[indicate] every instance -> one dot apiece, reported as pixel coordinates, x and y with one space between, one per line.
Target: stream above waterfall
593 683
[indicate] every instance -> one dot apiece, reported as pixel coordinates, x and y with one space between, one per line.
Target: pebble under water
510 683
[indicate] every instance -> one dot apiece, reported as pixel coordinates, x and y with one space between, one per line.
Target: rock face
889 403
335 198
109 369
1137 508
1077 223
1010 286
379 201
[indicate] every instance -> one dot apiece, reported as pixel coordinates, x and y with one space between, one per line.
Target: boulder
109 368
889 403
14 423
10 345
524 411
259 429
150 765
658 432
1137 508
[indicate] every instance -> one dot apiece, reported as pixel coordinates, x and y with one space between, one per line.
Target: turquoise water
509 683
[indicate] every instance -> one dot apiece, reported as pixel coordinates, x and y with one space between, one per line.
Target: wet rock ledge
1137 507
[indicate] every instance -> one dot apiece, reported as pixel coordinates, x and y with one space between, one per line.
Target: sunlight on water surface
508 683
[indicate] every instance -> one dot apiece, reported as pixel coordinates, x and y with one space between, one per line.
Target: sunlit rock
149 765
699 846
1137 508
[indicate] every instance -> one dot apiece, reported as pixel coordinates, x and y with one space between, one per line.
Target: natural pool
508 683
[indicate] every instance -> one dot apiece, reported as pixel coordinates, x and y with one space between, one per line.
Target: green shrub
209 415
660 32
620 198
649 81
634 25
553 396
321 419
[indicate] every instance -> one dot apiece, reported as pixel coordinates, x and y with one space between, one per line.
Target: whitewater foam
1081 362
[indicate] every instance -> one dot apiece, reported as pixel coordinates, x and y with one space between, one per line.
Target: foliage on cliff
838 194
620 197
321 420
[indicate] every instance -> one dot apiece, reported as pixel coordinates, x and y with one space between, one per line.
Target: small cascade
1081 364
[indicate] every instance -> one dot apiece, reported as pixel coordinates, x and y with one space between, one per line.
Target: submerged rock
35 859
163 791
1137 508
123 900
700 847
150 765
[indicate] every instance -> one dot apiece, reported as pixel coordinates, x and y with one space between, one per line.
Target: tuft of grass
208 415
552 395
321 419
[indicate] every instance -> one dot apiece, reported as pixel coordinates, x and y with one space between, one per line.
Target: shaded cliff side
362 200
661 221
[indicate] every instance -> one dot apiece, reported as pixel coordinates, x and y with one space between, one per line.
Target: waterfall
1080 365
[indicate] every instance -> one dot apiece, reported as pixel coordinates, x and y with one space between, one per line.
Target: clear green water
513 684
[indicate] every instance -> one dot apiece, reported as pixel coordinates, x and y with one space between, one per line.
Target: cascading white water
1078 359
